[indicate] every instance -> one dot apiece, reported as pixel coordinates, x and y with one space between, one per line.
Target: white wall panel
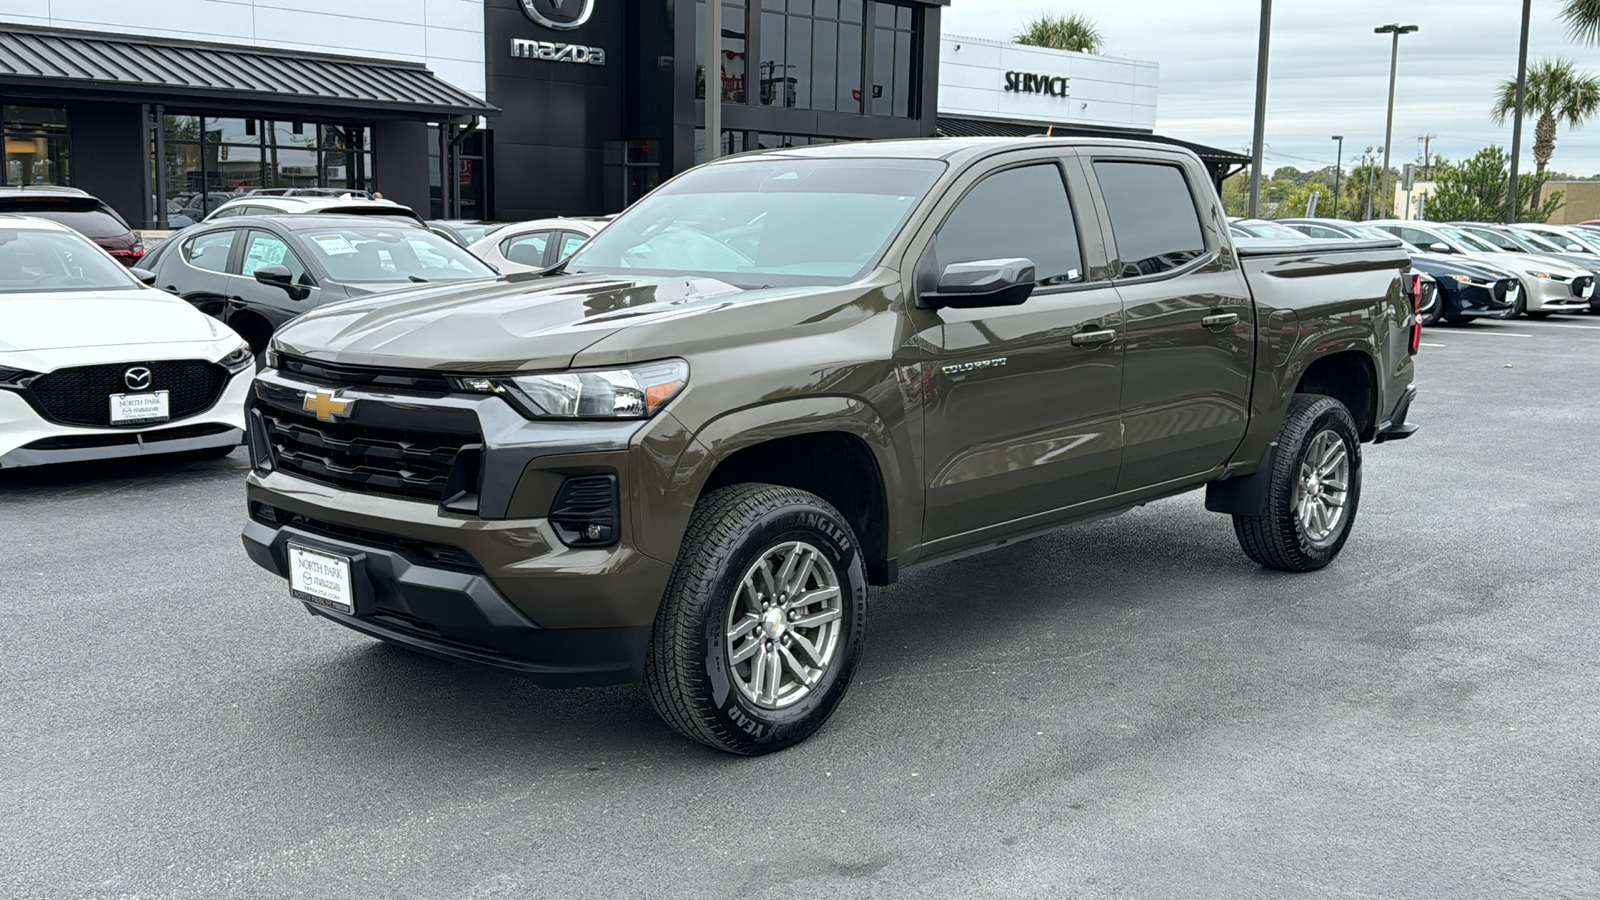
1104 90
446 35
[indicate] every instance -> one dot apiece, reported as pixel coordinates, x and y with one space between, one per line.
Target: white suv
96 364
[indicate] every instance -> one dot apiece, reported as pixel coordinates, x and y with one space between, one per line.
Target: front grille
418 551
80 442
414 465
82 395
1501 288
340 375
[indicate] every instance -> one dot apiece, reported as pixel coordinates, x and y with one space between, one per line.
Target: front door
1190 332
1022 401
272 303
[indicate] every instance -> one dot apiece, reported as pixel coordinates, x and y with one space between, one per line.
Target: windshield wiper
417 279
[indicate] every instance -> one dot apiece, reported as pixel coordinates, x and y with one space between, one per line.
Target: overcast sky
1330 73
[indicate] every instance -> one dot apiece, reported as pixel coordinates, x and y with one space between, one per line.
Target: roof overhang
67 63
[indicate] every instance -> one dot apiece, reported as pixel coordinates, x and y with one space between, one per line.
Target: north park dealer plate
321 578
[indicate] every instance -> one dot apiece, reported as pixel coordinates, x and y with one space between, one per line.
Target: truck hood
515 323
58 320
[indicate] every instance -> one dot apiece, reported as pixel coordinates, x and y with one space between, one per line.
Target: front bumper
1550 295
28 439
455 613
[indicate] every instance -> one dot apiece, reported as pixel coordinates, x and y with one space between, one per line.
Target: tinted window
264 249
210 251
526 249
1016 213
34 261
88 219
1153 216
1412 235
1318 231
1495 239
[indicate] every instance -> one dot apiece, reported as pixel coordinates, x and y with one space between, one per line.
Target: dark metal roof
965 127
162 70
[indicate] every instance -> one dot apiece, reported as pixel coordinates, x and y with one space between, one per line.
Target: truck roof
948 148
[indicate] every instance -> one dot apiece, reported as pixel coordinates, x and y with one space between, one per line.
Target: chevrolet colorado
683 455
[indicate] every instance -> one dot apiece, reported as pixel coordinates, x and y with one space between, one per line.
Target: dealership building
502 109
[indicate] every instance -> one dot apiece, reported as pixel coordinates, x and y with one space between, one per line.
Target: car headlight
238 360
1540 274
16 379
1461 278
636 392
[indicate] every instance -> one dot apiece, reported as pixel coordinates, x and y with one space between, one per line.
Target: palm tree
1072 32
1583 20
1558 92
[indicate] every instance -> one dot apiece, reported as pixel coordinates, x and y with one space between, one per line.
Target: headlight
1540 274
16 379
238 360
637 392
1461 278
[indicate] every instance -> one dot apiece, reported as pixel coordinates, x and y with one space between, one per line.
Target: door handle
1093 338
1220 320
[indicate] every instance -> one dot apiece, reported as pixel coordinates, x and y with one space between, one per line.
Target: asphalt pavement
1123 709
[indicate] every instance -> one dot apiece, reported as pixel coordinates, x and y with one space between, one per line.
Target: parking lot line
1426 344
1495 333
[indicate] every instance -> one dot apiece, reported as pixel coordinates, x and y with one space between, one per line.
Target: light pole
713 40
1516 121
1338 170
1394 68
1368 160
1257 155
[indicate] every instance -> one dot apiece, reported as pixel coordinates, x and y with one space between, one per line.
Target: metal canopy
158 70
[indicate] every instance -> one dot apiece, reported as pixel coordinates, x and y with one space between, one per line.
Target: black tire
688 674
214 452
1538 315
1277 539
1434 313
1517 308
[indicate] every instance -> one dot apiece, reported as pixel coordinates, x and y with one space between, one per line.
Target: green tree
1583 20
1558 92
1475 191
1057 32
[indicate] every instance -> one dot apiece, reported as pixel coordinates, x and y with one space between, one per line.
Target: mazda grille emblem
560 15
137 378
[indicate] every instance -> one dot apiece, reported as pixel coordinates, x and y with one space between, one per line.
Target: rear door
1190 329
530 250
1021 415
198 271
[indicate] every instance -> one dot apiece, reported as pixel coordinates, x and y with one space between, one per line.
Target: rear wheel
762 623
1313 492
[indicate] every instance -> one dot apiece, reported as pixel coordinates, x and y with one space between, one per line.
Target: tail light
1416 313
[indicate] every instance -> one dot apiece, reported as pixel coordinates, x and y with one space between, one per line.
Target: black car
1468 290
79 211
258 272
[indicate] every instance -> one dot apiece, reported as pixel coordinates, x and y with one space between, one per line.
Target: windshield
1537 242
34 261
1273 231
375 254
1495 240
766 221
1468 241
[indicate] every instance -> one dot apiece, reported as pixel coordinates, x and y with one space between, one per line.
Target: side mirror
144 275
983 283
1440 247
1575 248
281 277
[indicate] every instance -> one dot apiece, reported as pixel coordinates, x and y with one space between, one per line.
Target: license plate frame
322 578
142 408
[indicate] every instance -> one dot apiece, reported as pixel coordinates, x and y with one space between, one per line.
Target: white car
1548 285
534 246
95 364
255 205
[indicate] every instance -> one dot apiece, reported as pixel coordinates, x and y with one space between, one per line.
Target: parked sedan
1548 285
95 364
1467 289
465 232
80 212
312 205
258 272
538 245
1515 239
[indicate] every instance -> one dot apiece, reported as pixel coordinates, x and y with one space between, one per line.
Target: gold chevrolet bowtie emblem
326 405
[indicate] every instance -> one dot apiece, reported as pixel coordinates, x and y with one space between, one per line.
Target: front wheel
762 623
1314 491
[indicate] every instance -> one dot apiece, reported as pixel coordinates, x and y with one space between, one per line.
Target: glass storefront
35 146
212 160
471 177
814 54
740 141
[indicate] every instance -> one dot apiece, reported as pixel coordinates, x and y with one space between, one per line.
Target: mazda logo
137 378
561 15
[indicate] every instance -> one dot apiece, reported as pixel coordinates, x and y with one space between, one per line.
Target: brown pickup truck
683 456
